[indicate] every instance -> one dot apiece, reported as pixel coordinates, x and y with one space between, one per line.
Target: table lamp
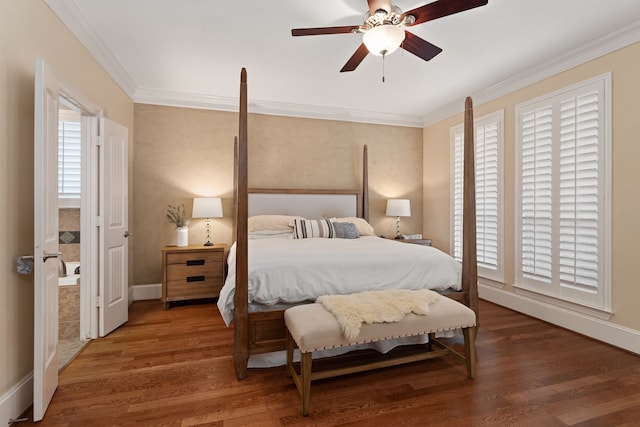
398 208
207 207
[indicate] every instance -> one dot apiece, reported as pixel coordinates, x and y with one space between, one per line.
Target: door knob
127 234
25 264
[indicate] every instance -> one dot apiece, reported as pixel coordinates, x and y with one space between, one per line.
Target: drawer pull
195 262
195 279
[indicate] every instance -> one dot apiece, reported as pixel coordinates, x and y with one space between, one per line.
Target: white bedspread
297 270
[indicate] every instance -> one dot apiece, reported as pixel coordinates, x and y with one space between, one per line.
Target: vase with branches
177 216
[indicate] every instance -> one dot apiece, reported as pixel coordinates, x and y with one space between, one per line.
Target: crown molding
77 23
624 36
211 102
336 113
183 99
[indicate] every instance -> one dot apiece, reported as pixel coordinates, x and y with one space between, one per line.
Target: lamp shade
398 207
207 207
383 39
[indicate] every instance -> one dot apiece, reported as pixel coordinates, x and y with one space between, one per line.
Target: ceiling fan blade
379 4
441 8
419 47
323 30
355 59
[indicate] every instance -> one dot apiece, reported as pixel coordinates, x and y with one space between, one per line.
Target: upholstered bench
311 327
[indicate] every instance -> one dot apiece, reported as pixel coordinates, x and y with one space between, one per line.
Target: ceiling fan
384 32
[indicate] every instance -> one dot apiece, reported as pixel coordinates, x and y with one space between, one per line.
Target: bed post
234 217
241 332
469 258
365 183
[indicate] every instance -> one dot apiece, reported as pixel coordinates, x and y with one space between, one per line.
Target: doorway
70 146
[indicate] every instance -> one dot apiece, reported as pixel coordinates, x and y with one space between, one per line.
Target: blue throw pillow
346 230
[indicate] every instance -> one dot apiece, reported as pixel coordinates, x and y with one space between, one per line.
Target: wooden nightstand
423 242
192 272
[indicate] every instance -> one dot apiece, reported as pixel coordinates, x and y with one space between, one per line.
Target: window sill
496 283
68 203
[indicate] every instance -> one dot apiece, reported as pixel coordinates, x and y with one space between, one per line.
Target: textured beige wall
30 30
624 65
181 153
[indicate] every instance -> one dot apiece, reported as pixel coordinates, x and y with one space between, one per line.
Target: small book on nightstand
411 236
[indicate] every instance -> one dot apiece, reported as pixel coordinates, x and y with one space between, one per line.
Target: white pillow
364 228
271 234
270 222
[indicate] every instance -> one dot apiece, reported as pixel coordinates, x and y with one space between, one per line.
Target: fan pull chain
383 55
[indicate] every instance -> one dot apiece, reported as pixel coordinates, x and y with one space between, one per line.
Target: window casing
488 133
563 181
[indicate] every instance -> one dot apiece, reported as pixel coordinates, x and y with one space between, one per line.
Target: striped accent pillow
307 228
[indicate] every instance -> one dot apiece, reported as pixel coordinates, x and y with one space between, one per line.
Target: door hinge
98 221
99 302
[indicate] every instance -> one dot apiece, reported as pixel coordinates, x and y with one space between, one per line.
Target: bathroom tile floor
67 350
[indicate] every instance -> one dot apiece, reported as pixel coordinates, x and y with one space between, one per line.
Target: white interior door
114 285
45 217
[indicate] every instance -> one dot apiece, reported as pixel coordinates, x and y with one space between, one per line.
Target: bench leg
303 380
432 338
305 373
470 350
290 347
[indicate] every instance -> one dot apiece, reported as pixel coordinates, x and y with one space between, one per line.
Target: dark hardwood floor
174 368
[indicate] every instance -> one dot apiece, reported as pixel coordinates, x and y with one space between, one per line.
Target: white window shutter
536 193
579 210
457 196
487 194
563 217
69 160
488 171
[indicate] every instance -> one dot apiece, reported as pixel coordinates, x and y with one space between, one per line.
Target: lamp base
208 221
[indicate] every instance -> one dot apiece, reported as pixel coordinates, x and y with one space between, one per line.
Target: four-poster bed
258 332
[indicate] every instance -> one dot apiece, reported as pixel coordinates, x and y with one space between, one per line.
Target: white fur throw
388 305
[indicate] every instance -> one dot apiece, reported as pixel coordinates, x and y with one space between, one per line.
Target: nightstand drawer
182 271
194 259
423 242
193 287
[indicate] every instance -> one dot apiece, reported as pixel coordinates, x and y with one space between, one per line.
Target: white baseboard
601 330
143 292
17 400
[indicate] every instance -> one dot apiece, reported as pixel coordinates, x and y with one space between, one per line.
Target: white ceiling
190 52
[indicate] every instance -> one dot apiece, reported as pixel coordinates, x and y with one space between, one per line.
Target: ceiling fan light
383 39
